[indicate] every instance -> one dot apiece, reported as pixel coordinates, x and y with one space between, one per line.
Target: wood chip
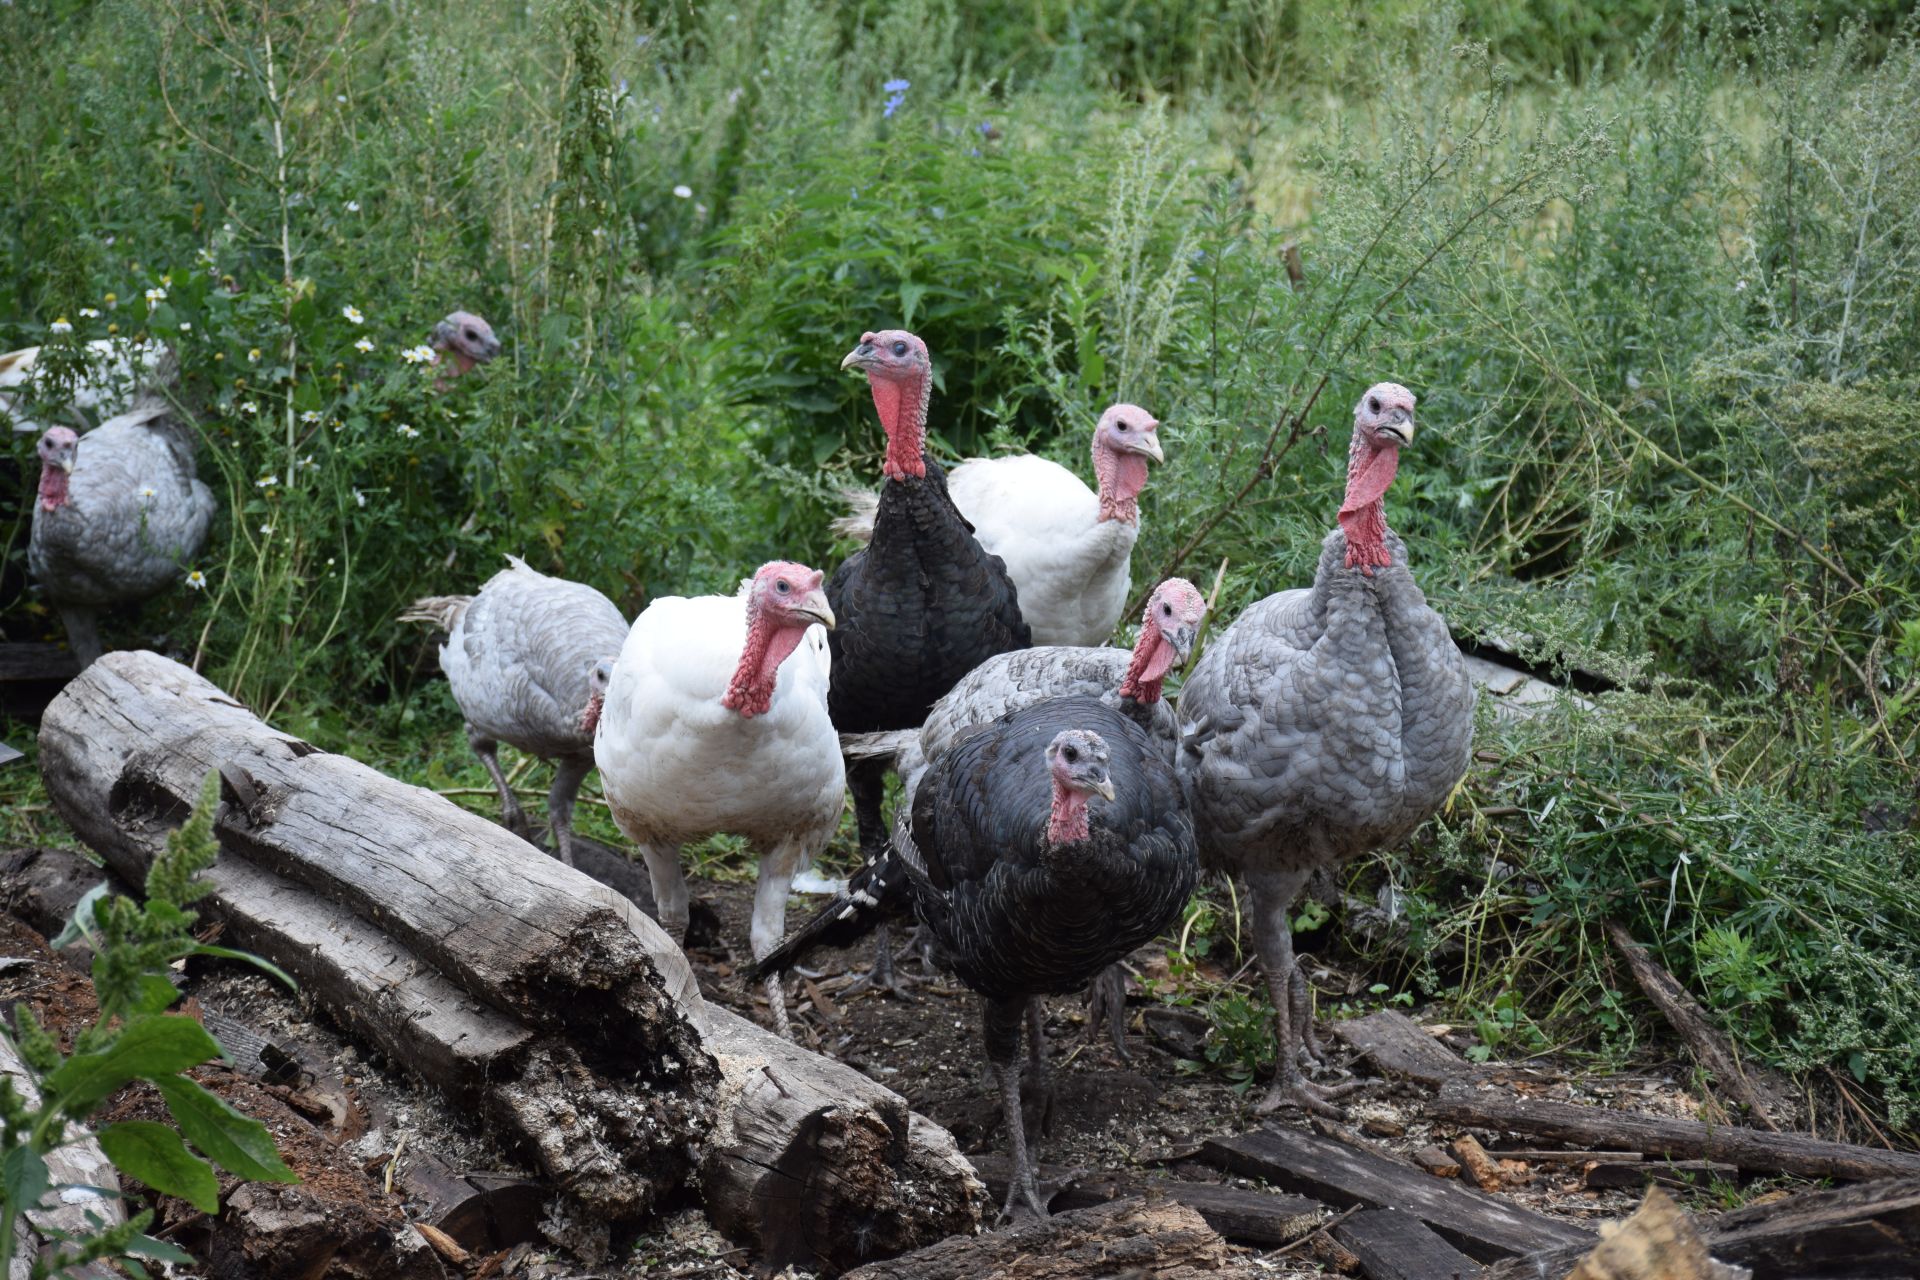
443 1244
1437 1162
826 1007
1480 1168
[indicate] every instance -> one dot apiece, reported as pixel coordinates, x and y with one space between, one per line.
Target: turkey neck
1152 659
53 487
1363 513
768 645
1121 477
902 405
1067 823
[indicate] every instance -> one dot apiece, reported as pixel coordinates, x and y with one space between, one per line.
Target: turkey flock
1056 808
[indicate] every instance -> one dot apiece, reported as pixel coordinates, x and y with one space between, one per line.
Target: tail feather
875 894
442 611
885 745
857 523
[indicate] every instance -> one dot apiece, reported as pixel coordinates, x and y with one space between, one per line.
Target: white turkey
1038 850
527 659
715 720
1326 722
120 513
107 374
1066 547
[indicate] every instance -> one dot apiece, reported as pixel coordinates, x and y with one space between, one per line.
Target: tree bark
513 984
80 1162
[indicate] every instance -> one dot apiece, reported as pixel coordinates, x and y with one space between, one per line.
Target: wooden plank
1869 1231
31 675
1666 1137
1399 1046
1634 1175
1393 1245
1482 1226
1239 1213
1162 1239
1709 1046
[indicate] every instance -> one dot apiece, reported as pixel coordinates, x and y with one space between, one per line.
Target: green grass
1653 278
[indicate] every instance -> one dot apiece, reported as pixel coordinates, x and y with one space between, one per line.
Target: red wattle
590 714
750 692
1152 659
1363 514
53 487
1121 477
1068 821
906 438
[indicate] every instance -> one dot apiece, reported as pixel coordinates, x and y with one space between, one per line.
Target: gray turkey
1037 851
1326 722
120 512
460 342
1127 680
922 603
528 660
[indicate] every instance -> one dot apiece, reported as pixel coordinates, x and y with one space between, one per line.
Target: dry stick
1320 1230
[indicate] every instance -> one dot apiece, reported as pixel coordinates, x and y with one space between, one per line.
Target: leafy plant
133 1039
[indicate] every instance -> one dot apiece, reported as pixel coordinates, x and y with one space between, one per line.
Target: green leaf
159 1251
155 994
80 923
238 1143
155 1155
148 1046
23 1176
267 967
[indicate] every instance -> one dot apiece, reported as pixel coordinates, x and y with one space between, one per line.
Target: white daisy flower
353 206
185 325
266 531
60 326
684 191
365 344
310 417
148 491
197 580
352 313
89 313
422 354
248 406
359 498
265 482
155 296
407 432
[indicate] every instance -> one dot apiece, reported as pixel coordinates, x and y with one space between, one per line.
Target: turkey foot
883 977
1295 1090
1023 1190
1107 1001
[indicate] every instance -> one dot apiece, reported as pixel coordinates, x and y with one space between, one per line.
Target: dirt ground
352 1122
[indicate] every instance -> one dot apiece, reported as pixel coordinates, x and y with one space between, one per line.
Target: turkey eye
1167 609
899 348
781 586
1070 754
1120 426
472 336
1373 403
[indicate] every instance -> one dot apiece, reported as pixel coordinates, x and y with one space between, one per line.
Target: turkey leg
511 816
83 634
777 868
568 773
1272 895
867 780
669 888
1001 1026
1107 1001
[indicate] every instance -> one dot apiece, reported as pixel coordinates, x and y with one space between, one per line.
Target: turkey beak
815 606
1399 425
1148 444
1183 638
859 357
65 460
1105 787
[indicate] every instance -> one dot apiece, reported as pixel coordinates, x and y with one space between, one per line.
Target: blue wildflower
985 128
897 89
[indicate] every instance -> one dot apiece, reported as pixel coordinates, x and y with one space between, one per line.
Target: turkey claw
1295 1090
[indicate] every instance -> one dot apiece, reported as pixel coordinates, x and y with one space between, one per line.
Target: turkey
922 604
460 342
715 720
1066 548
1326 722
120 513
1128 681
1037 851
527 660
110 372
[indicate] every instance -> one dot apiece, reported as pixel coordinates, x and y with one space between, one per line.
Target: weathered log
79 1163
1666 1137
1399 1046
1392 1245
1128 1238
1709 1046
1238 1213
513 984
1482 1226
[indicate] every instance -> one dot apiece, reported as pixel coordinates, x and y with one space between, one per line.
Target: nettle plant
134 1038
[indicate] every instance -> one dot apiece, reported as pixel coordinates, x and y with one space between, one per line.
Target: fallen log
1482 1226
1250 1217
1666 1137
1711 1049
1868 1230
1392 1245
1633 1175
1145 1237
512 984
